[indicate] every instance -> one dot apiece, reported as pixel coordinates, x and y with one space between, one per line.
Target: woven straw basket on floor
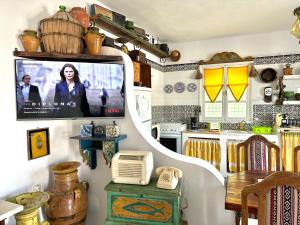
61 33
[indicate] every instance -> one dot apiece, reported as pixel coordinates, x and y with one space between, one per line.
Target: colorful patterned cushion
283 206
257 156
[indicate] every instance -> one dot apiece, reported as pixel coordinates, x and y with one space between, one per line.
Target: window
221 104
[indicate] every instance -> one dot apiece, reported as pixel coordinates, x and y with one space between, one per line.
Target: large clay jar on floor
68 198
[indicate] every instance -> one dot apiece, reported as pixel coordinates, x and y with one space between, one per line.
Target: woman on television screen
70 95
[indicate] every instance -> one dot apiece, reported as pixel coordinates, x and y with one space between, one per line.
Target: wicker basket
61 33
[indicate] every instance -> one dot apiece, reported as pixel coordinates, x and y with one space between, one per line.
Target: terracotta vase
68 197
81 16
30 40
93 40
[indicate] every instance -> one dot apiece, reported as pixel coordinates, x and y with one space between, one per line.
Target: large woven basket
61 33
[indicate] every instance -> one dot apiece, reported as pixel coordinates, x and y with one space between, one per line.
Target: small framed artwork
38 143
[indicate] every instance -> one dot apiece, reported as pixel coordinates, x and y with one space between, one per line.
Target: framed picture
38 143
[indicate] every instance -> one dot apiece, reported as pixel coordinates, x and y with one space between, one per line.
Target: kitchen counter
224 136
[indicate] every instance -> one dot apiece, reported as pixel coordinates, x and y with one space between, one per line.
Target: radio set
132 167
135 167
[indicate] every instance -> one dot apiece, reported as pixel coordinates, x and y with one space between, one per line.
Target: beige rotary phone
168 177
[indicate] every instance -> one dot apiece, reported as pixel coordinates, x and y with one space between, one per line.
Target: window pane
213 109
231 98
237 109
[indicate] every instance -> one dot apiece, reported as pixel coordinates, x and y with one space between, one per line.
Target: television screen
57 89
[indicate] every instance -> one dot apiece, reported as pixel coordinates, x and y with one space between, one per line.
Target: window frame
224 93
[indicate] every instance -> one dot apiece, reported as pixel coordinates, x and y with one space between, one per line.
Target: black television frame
74 117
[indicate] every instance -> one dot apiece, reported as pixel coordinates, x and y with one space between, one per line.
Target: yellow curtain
289 140
206 149
237 81
213 82
232 157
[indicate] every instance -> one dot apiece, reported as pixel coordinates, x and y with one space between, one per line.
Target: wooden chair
296 149
258 154
278 199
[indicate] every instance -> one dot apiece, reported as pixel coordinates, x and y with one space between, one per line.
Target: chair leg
237 218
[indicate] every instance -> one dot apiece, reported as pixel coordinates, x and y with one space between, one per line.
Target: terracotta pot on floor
68 198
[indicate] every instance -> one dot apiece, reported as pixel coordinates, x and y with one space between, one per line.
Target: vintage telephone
168 177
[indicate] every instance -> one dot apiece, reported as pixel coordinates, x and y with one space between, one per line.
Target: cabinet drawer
143 209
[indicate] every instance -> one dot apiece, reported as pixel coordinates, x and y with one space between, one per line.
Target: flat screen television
68 90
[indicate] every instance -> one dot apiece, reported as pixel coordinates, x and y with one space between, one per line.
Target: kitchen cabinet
143 205
142 74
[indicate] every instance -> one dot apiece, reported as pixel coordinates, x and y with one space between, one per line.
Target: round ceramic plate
179 87
168 88
191 87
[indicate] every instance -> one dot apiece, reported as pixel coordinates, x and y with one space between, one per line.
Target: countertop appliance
194 123
170 135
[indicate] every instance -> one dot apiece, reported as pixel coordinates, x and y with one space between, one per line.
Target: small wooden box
143 205
142 74
138 56
99 10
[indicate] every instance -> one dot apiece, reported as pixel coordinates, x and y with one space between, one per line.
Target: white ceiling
192 20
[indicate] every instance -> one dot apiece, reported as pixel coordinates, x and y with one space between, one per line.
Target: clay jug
30 40
93 40
68 197
81 16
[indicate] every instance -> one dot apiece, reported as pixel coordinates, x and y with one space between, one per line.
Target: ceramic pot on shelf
93 40
68 197
80 15
30 40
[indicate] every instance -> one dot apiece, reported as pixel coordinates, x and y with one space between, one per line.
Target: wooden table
8 209
234 186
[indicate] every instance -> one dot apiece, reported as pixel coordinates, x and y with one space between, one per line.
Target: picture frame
38 143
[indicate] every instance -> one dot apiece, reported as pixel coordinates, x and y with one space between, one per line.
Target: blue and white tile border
292 58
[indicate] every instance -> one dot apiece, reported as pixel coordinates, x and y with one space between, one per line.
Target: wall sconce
296 27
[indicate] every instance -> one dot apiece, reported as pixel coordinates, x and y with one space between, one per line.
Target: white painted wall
266 44
203 185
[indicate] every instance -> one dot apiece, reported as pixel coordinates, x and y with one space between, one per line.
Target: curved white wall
203 190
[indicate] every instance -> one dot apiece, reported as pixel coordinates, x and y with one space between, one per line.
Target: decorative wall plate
168 88
179 87
191 87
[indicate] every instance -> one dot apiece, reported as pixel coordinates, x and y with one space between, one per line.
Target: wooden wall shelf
90 145
63 57
122 32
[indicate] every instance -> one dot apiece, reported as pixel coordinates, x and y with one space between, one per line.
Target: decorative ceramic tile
275 59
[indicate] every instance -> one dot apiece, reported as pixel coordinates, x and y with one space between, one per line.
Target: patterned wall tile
266 113
174 113
275 59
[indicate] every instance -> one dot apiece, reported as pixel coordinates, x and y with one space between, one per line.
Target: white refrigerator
142 97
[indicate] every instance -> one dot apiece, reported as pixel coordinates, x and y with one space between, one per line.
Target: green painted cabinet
143 205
